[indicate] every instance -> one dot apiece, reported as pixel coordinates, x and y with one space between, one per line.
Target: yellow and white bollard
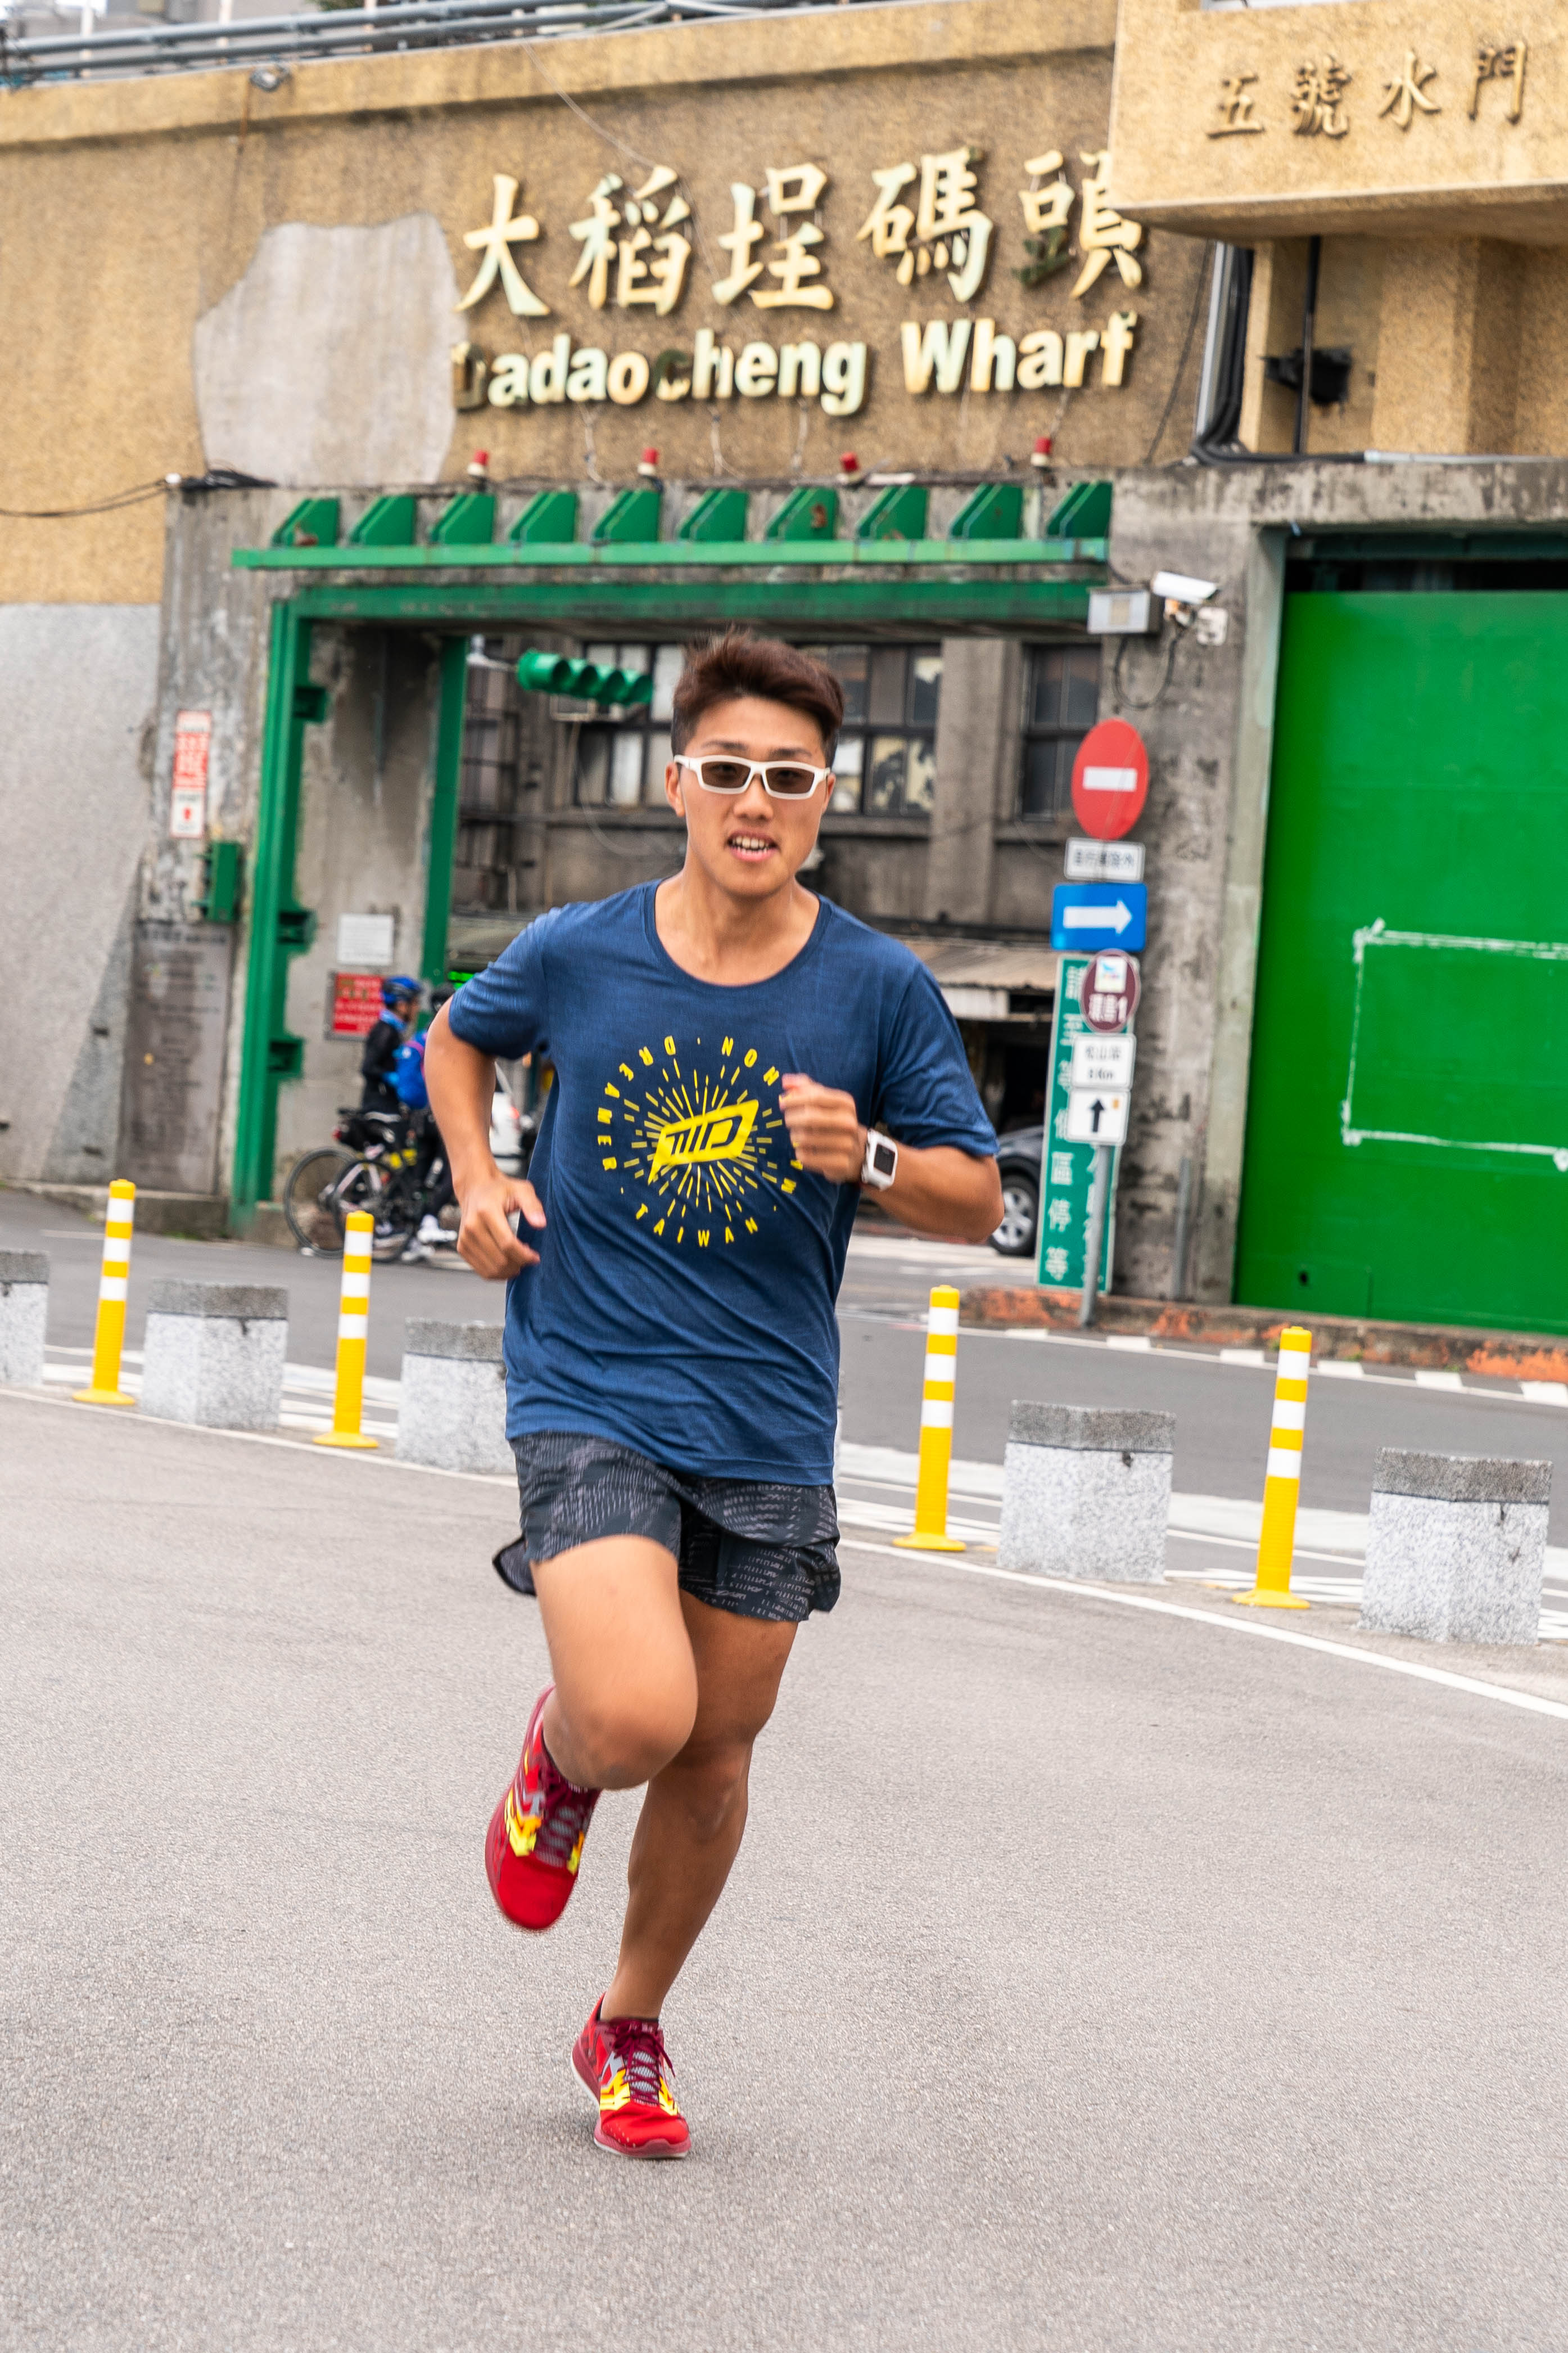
929 1531
353 1323
113 1281
1282 1485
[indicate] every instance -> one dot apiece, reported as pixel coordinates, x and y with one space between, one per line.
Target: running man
727 1049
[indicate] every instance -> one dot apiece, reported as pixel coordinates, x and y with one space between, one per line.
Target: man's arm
462 1084
939 1191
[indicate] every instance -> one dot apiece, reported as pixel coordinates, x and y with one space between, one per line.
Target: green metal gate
1407 1119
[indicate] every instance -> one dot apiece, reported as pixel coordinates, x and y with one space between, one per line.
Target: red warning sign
356 1004
1110 780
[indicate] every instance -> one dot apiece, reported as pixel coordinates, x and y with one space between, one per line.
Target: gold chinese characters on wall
1315 102
637 245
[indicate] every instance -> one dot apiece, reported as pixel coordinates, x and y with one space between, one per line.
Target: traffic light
584 682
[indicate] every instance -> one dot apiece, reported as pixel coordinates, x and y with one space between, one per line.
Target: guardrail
266 44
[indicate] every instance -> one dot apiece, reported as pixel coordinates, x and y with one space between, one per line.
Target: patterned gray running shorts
759 1549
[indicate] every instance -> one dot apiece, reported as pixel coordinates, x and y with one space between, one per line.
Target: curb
189 1217
1437 1347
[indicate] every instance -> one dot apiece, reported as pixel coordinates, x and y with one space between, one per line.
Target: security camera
1181 588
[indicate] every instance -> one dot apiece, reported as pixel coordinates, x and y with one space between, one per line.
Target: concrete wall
214 655
1431 171
78 686
1458 345
977 738
279 289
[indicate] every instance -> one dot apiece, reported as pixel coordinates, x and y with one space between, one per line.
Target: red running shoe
625 2067
535 1839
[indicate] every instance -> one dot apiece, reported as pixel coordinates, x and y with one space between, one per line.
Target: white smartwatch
880 1165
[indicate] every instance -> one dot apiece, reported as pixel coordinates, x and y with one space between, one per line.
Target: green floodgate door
1407 1119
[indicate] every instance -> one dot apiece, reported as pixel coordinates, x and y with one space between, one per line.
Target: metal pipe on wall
1309 325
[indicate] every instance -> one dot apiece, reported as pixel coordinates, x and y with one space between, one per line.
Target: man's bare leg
689 1831
652 1685
626 1681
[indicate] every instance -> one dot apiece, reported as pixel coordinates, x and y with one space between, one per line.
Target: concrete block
453 1413
24 1311
215 1353
1086 1492
1455 1548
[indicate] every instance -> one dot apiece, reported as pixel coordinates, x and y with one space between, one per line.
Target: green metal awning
984 569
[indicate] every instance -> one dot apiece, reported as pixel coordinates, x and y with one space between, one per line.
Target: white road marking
1241 1624
1552 1393
262 1438
896 1519
389 1462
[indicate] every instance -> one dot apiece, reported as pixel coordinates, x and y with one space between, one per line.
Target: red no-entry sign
1110 780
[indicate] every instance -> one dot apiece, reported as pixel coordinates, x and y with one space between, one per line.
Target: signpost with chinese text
1067 1168
1104 861
1110 991
355 1004
188 792
1098 1083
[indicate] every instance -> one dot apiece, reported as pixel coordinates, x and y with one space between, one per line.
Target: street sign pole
1098 1192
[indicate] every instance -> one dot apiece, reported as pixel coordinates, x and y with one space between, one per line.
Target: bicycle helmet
400 985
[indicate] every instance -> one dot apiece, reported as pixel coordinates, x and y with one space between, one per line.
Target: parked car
1018 1165
511 1133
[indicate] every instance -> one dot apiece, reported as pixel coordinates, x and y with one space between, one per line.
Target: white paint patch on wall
330 361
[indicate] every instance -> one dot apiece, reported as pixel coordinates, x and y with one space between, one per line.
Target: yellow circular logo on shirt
695 1137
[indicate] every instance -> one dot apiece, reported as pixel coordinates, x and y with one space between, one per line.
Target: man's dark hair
741 663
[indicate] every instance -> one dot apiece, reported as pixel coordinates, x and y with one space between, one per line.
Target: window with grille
487 847
621 756
886 761
1061 692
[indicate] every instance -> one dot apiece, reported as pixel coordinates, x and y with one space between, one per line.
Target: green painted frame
628 555
443 808
883 584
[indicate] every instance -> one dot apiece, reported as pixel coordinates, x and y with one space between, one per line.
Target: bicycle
372 1165
378 1170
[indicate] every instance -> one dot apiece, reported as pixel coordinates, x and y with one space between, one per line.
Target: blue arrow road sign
1100 915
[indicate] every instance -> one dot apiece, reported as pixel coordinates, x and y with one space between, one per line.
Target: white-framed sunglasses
782 780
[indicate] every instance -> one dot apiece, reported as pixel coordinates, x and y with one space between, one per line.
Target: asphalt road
1222 1409
884 1276
1090 1979
443 1288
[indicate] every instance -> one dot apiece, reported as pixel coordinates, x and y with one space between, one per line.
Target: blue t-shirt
683 1303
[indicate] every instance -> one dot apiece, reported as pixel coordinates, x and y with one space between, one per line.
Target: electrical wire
216 477
1128 702
98 506
645 163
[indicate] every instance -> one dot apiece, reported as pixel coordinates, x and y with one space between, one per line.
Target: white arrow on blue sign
1099 914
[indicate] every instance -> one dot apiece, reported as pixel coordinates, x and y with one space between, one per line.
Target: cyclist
727 1049
399 998
431 1174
